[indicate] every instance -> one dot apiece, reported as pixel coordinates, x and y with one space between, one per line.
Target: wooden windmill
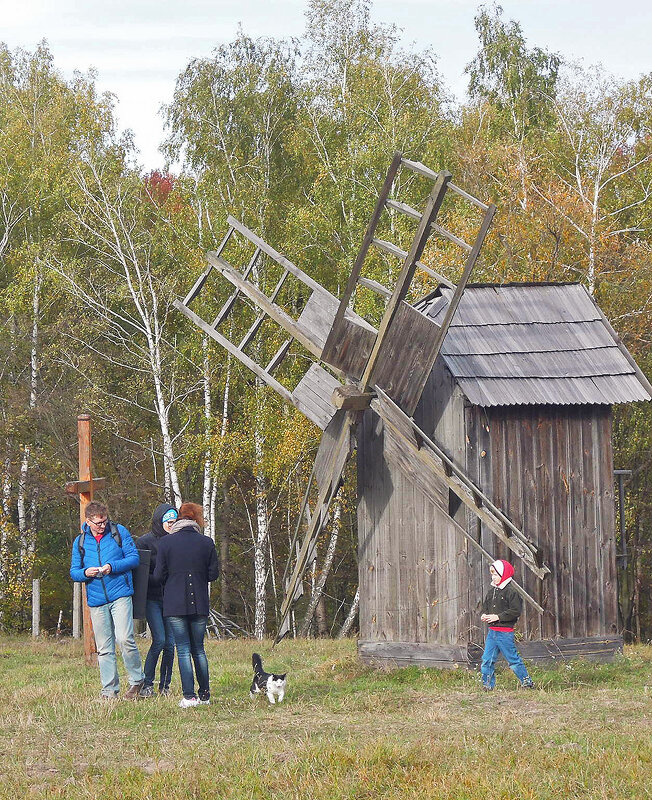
383 368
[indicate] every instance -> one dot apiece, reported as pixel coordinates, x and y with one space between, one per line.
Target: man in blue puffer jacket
103 560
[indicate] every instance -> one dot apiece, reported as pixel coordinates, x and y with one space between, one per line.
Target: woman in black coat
185 564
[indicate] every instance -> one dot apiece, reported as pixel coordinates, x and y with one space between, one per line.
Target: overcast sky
138 47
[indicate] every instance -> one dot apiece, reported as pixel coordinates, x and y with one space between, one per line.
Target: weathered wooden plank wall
548 467
551 471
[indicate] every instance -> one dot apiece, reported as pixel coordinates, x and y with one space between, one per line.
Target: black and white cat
270 683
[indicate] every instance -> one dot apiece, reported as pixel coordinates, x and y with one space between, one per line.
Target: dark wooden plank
564 522
367 458
435 200
412 654
406 357
608 526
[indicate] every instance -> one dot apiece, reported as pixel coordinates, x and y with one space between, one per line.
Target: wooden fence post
76 610
36 607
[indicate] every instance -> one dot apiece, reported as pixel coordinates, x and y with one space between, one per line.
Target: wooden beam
262 301
279 356
350 398
242 357
432 457
226 308
79 487
375 287
433 205
338 457
278 257
457 296
202 278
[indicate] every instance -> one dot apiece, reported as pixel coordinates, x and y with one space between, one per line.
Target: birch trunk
27 529
262 532
350 617
325 570
208 462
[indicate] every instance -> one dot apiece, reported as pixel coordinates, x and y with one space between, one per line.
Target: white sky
138 47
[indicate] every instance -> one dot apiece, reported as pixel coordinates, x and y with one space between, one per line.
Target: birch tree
126 300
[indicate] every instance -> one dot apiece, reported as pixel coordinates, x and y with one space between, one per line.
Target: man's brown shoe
132 691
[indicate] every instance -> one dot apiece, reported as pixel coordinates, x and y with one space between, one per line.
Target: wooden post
36 608
76 610
84 488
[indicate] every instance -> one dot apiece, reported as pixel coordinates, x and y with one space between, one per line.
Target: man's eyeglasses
99 524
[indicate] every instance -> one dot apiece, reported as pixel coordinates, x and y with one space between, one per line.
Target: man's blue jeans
162 641
113 623
500 642
189 632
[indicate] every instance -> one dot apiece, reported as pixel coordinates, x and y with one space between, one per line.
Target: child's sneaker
188 702
528 683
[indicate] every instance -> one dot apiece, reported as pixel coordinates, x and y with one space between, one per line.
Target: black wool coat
186 563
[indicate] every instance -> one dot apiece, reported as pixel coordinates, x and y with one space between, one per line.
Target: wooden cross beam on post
84 488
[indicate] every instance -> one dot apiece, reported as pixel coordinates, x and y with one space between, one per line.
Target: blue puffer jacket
118 583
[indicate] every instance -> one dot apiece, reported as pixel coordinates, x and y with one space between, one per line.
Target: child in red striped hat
501 609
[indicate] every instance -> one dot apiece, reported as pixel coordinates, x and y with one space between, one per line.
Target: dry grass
345 731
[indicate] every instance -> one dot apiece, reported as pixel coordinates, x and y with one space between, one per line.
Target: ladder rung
404 208
226 308
279 286
421 169
436 275
375 286
468 196
393 250
249 335
390 248
280 355
197 287
202 278
451 237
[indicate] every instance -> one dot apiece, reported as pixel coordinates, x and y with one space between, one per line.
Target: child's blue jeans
500 642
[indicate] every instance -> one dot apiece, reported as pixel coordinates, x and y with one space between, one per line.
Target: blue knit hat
170 515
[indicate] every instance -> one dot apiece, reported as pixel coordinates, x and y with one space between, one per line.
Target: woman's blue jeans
189 632
500 642
162 641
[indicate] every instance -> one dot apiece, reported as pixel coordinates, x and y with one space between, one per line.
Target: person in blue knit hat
163 519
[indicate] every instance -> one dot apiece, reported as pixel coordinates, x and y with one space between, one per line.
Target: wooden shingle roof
517 344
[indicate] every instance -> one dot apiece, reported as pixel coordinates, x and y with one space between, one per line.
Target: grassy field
345 731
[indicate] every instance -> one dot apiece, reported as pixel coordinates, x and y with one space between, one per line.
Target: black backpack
140 575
